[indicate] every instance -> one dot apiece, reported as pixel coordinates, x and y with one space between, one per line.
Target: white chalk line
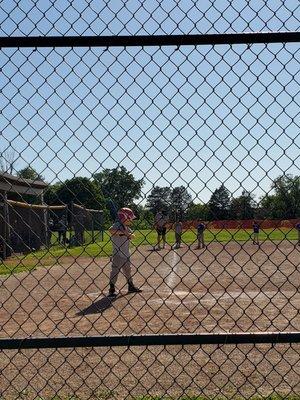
217 297
209 299
171 280
93 294
177 297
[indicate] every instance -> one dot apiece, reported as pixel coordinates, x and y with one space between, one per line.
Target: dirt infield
232 287
223 288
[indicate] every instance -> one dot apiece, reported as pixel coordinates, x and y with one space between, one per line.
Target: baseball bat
114 212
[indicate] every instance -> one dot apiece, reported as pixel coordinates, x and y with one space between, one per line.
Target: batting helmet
126 214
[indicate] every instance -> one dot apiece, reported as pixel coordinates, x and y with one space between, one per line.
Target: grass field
103 248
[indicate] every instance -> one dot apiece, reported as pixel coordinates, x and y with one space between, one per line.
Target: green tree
287 192
50 196
268 207
78 190
159 199
144 219
219 204
243 207
119 185
180 200
30 173
285 202
197 212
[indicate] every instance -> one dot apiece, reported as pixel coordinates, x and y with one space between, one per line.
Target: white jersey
120 243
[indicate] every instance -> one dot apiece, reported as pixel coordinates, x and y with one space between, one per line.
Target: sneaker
112 291
133 289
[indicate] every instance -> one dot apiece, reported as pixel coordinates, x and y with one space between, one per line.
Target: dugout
23 226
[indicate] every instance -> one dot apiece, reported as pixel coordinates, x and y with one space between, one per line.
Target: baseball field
230 286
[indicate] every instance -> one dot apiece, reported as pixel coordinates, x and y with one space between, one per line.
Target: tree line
119 185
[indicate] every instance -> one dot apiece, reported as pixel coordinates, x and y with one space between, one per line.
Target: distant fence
244 224
27 227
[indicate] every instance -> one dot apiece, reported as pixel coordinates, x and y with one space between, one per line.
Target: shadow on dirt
101 305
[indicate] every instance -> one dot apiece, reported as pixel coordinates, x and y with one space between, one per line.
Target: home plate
176 297
94 294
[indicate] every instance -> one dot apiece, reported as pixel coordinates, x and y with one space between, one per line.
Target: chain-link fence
151 149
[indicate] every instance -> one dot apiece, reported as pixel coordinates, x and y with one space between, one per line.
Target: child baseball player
160 223
255 227
120 236
178 232
200 235
298 229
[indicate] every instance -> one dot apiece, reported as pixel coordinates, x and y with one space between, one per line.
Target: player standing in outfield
120 236
62 230
160 223
200 235
255 227
298 229
178 232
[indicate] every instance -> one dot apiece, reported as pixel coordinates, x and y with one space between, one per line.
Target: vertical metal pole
6 245
45 218
101 226
29 228
70 208
92 225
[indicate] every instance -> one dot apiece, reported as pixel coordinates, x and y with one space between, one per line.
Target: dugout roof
13 184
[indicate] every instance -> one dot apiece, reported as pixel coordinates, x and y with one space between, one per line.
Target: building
23 227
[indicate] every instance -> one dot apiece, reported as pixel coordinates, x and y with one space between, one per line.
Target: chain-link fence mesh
149 189
230 371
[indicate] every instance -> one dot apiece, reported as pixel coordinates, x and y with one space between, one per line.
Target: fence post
6 246
92 227
46 225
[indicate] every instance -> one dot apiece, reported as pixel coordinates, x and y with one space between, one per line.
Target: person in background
49 230
178 232
256 229
200 235
160 224
298 229
79 227
62 230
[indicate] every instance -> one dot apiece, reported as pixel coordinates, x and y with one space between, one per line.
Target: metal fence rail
186 116
151 340
155 40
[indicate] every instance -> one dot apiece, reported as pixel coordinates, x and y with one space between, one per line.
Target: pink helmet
126 214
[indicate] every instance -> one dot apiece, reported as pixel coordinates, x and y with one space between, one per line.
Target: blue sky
196 116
